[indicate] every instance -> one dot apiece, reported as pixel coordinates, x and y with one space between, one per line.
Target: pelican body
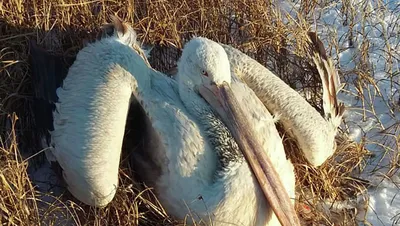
189 155
200 174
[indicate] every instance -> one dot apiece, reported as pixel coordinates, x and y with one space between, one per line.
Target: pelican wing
91 111
314 136
89 121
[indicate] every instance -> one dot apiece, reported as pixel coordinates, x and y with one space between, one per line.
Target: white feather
90 118
314 135
89 125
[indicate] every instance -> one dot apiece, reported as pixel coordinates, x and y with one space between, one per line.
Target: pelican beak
222 99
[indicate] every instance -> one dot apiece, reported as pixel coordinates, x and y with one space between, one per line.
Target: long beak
222 99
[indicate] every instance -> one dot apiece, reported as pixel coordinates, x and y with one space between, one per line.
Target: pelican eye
204 73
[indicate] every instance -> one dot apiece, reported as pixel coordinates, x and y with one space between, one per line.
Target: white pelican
314 134
188 152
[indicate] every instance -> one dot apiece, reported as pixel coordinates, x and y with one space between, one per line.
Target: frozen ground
371 27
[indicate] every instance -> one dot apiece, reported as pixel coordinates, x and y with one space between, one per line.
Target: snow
49 186
372 119
384 202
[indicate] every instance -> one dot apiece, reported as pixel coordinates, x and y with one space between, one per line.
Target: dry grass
256 27
17 195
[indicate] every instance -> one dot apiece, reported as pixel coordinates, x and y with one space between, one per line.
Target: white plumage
188 152
89 121
204 61
314 134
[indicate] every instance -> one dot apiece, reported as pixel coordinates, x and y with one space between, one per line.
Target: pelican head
204 68
203 61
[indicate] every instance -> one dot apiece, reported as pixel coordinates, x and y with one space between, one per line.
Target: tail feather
333 110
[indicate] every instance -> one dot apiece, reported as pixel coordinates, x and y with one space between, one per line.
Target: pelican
314 134
189 156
